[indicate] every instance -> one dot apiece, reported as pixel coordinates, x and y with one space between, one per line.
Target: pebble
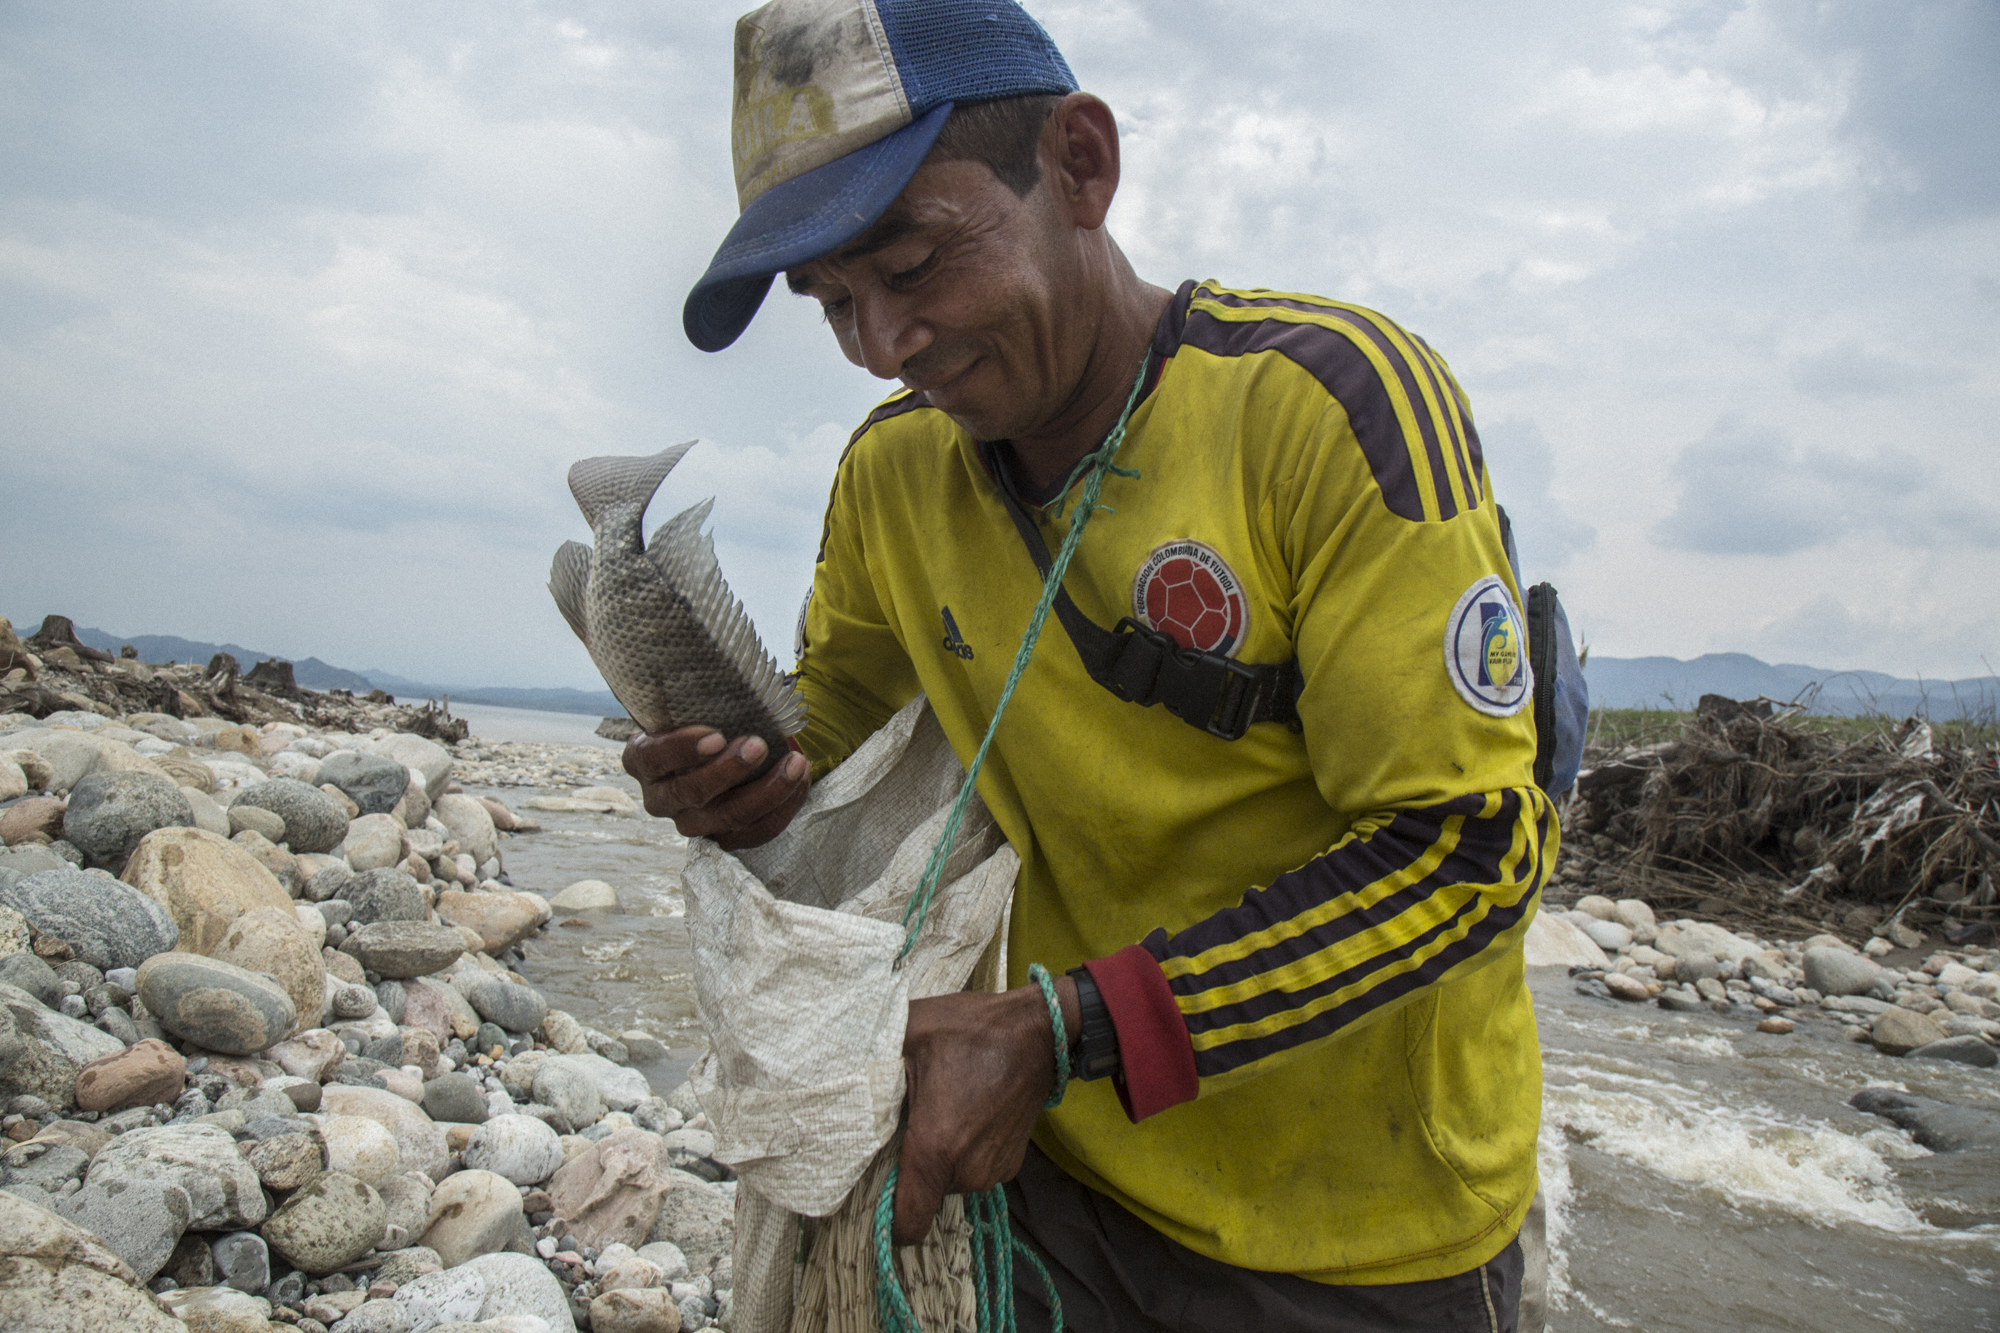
1779 1026
106 923
407 1201
140 1075
218 1310
255 819
501 920
469 823
402 949
216 1004
372 782
331 1222
586 895
308 820
110 812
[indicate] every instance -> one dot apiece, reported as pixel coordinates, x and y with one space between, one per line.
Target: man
1305 939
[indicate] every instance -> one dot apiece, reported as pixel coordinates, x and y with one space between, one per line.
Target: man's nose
887 333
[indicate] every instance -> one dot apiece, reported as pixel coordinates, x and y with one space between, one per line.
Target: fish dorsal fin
602 483
569 582
685 557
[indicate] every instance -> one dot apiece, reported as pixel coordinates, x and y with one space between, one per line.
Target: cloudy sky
306 309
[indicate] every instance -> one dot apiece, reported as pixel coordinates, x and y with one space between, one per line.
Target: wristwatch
1097 1052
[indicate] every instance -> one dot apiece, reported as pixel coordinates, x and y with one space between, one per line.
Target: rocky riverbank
1892 993
266 1057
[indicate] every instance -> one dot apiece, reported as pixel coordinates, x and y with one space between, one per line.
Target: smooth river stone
270 939
206 882
373 842
311 821
106 923
501 920
404 949
1839 971
109 812
420 1143
201 1159
215 1004
60 1278
327 1224
473 1212
361 1147
372 782
383 895
520 1147
144 1074
515 1008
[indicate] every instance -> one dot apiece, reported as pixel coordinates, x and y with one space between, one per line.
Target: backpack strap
1144 666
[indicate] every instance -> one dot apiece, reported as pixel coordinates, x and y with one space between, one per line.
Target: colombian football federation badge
1184 588
1486 650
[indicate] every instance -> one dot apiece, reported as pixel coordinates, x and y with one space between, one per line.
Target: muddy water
1700 1175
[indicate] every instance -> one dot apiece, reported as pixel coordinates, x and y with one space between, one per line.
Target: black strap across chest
1144 666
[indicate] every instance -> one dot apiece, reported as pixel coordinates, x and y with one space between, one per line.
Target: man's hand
710 787
979 1069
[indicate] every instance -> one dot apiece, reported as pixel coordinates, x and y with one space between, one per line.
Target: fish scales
671 640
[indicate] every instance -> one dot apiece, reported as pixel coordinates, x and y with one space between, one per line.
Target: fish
670 639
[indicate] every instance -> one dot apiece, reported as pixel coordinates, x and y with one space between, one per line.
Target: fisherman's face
961 290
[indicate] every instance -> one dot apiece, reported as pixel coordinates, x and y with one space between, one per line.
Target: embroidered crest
1186 589
1486 650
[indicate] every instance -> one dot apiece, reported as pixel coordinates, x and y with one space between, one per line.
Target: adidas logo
953 641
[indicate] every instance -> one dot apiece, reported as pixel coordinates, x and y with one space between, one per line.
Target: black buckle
1210 691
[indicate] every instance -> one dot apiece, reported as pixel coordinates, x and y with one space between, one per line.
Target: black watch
1097 1052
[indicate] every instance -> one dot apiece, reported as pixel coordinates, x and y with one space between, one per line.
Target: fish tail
569 582
601 483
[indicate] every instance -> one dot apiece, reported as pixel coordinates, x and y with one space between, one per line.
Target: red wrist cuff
1156 1059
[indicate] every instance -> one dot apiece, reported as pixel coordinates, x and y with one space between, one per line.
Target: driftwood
1749 814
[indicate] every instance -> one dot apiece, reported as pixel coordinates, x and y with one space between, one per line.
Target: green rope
1040 976
1098 464
994 1244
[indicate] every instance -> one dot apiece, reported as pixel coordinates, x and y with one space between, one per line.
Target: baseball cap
837 103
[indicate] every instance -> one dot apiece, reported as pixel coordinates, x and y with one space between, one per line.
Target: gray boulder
1839 971
372 782
500 1001
109 924
221 1186
404 949
312 822
215 1004
141 1220
1939 1126
1967 1050
383 895
109 812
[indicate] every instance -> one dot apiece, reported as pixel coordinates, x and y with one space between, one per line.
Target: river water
1700 1175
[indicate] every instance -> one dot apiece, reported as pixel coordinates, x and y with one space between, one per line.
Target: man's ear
1080 159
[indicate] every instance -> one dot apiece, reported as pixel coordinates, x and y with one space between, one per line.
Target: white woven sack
795 948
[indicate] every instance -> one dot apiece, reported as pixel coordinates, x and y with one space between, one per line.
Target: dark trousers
1115 1274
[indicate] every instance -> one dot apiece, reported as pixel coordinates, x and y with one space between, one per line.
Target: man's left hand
979 1068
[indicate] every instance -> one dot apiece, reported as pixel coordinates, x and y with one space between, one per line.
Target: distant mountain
596 703
310 672
1666 682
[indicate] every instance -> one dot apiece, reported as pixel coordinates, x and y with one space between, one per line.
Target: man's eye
917 274
835 308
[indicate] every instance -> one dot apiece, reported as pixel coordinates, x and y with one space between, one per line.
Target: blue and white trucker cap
837 103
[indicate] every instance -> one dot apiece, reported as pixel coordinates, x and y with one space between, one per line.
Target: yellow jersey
1309 941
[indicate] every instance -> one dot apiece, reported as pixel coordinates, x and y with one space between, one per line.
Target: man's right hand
706 784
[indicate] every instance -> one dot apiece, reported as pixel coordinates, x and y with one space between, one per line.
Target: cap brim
800 220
